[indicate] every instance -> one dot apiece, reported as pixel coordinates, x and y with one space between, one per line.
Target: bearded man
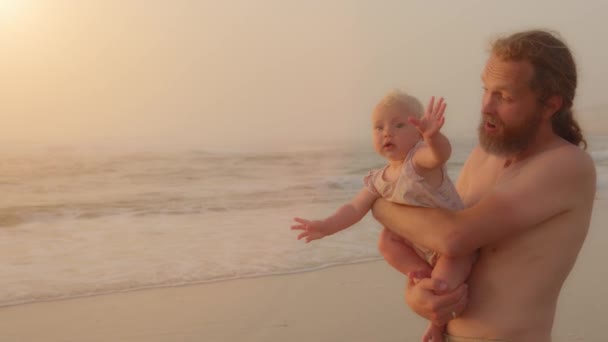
528 189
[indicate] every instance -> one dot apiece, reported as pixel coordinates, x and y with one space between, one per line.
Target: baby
415 175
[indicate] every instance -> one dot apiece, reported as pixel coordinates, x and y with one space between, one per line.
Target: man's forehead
507 72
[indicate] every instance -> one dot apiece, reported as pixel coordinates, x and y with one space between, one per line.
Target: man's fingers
433 284
461 304
451 311
451 299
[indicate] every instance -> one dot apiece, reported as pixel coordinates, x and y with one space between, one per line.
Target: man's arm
545 188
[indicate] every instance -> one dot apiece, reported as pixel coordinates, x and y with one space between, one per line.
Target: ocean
76 222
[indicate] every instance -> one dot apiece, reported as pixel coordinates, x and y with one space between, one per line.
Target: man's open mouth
490 123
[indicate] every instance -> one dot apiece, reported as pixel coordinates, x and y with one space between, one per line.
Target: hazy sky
219 74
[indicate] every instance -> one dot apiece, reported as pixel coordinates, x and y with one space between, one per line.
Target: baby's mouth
388 145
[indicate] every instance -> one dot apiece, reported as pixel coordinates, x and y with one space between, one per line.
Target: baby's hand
433 119
312 230
417 276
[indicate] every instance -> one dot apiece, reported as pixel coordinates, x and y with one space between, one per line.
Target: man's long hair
554 74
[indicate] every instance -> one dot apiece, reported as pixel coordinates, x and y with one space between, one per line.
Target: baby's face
393 136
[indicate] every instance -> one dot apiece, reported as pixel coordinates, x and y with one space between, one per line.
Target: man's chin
492 144
500 148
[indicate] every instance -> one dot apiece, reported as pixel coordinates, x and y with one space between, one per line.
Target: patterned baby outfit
411 189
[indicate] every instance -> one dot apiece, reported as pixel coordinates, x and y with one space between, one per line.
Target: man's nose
487 104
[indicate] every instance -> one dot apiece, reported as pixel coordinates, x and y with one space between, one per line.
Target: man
528 190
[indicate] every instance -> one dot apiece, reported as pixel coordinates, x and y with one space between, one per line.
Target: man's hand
422 296
312 230
433 119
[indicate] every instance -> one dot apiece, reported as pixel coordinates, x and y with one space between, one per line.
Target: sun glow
7 6
10 10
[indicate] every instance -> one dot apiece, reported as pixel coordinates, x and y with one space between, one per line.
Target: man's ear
552 105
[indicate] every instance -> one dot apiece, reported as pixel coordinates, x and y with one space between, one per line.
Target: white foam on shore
75 258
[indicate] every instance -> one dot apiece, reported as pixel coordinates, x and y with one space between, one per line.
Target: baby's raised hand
312 230
433 118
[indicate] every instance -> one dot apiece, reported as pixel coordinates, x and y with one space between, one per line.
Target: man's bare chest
481 180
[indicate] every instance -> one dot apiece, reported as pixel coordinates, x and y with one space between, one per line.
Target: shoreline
195 283
337 300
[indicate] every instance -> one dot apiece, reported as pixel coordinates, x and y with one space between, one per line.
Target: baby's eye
378 128
400 125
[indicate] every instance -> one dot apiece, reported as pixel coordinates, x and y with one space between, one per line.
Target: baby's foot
433 333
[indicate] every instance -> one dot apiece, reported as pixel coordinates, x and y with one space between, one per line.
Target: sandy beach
359 302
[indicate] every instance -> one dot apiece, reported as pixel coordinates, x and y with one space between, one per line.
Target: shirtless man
528 189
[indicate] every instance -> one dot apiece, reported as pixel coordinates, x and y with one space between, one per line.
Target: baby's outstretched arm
344 217
438 148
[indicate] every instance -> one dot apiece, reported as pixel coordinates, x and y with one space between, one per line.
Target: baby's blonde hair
409 103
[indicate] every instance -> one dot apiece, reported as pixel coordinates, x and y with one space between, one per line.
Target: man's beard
511 140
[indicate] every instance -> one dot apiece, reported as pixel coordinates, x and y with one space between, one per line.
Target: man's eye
498 96
505 98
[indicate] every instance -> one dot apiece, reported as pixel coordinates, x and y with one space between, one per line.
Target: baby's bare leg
454 271
433 333
399 253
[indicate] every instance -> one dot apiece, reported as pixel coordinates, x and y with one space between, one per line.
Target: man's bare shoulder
477 156
478 153
568 160
564 168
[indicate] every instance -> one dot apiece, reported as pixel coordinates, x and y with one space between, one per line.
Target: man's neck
544 140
